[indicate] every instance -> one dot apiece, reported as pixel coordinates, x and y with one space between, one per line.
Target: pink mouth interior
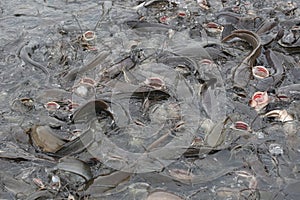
241 125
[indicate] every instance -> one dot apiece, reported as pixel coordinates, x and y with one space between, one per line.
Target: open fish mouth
260 72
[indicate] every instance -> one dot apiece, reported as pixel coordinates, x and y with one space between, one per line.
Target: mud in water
150 99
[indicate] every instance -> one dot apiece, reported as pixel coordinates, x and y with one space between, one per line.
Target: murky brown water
145 100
